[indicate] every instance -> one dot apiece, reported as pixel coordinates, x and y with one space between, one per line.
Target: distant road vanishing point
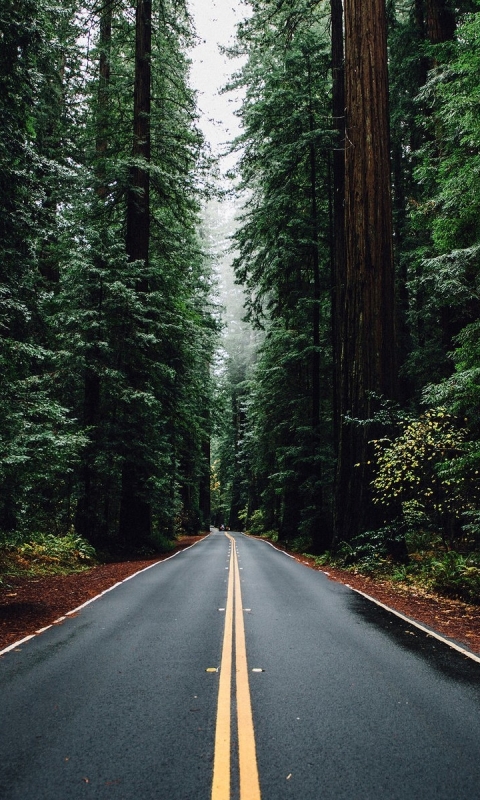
233 671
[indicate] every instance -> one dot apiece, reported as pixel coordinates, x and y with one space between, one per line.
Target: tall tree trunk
367 359
204 487
320 532
439 21
338 219
88 519
135 509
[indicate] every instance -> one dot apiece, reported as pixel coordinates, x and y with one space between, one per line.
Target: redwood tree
440 21
366 362
135 508
88 518
338 183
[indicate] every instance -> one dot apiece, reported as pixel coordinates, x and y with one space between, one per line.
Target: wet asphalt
352 702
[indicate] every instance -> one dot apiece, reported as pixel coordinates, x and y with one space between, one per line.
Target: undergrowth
425 564
428 564
46 554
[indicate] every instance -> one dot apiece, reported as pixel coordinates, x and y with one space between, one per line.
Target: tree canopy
394 298
351 409
108 325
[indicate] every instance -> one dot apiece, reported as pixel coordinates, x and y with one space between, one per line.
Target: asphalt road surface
233 671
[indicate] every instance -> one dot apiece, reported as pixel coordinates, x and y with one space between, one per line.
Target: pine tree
40 442
135 510
284 262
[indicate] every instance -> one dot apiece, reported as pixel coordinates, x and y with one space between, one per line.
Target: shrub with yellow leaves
426 465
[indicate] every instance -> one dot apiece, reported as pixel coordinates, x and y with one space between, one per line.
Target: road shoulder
453 619
30 604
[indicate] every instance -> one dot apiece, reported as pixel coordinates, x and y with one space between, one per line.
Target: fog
215 24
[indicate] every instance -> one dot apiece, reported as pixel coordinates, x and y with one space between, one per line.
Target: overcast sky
215 22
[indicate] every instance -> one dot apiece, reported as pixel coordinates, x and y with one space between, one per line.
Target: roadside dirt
453 619
27 604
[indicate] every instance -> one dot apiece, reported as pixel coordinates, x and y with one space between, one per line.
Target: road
233 671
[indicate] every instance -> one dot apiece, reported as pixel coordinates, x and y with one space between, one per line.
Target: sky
215 22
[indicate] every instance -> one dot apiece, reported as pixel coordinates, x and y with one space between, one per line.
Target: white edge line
409 620
418 625
92 599
17 644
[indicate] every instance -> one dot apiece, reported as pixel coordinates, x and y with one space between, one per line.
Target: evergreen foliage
282 405
106 350
97 370
418 486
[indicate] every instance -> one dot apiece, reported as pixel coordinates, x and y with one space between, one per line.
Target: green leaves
429 470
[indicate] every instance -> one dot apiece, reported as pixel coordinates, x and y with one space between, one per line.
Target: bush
427 472
47 553
301 544
67 549
161 543
256 523
368 551
271 535
457 576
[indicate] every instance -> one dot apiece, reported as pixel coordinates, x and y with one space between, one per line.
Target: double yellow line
247 757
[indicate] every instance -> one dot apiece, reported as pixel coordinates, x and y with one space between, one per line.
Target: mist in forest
210 71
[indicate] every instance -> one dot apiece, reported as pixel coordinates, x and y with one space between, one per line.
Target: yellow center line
247 758
221 763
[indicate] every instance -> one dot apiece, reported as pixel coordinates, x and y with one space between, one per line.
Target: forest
341 416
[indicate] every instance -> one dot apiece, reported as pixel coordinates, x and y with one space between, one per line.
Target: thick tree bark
321 534
367 358
135 508
338 219
439 21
